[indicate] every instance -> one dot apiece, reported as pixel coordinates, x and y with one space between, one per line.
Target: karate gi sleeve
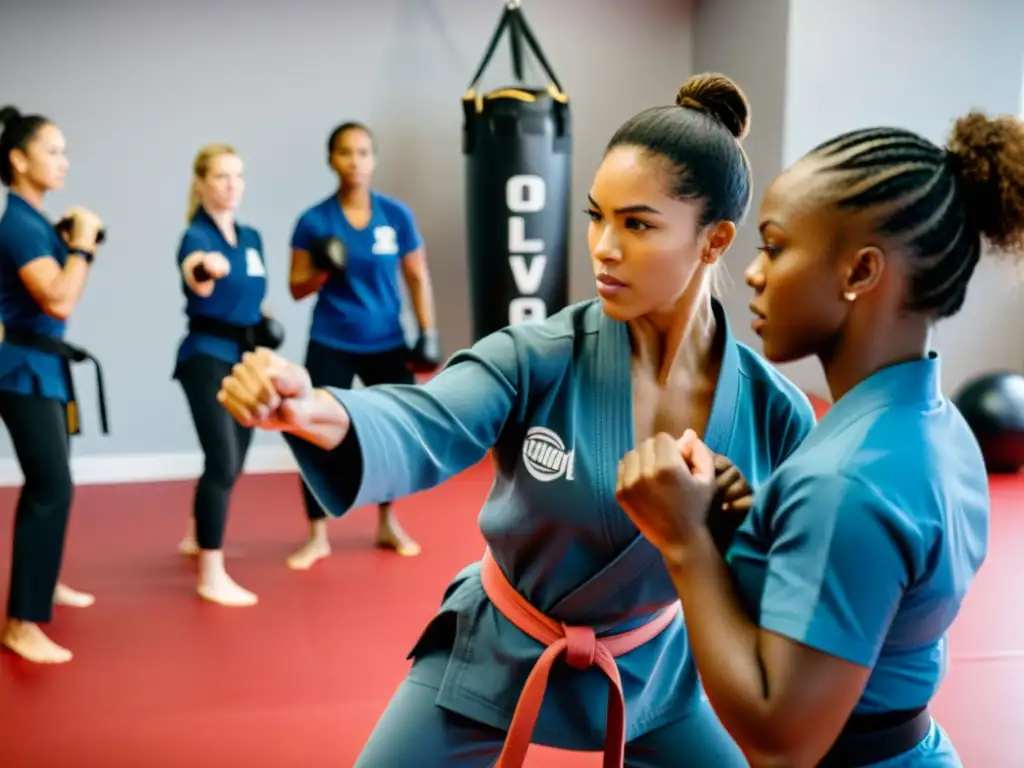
408 438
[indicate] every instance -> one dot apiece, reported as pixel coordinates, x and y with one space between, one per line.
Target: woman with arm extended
42 277
821 637
356 328
568 632
224 279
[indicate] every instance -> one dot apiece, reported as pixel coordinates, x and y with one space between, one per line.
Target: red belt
582 649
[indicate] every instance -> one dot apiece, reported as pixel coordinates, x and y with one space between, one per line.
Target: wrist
82 253
693 553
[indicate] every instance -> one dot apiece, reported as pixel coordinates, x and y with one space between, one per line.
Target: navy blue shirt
865 541
360 311
26 235
236 298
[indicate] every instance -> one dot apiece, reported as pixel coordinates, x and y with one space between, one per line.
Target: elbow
58 309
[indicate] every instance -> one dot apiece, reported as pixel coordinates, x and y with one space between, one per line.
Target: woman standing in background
42 277
356 328
224 280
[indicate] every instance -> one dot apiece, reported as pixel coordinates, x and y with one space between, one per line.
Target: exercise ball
993 405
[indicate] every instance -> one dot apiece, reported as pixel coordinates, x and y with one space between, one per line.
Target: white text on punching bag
525 194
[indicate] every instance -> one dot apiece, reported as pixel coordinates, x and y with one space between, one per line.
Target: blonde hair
200 167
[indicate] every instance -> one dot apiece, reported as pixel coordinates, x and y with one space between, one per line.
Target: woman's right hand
266 391
85 229
216 265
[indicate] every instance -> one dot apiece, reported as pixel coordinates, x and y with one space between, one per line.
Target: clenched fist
266 391
667 486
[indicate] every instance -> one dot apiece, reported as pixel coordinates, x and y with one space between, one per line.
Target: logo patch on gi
545 456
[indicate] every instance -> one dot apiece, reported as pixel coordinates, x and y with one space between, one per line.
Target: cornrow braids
913 183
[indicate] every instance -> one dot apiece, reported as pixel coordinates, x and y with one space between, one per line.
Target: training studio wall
139 87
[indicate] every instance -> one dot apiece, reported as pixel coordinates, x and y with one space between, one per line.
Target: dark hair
939 203
699 137
344 128
17 131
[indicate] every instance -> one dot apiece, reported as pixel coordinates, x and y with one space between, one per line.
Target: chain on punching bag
517 142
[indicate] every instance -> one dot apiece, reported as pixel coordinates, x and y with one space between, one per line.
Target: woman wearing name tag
42 278
225 281
348 249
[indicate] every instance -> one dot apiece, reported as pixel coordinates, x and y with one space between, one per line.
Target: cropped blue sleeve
836 568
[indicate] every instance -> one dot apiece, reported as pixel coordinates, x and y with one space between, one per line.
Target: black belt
868 739
246 336
68 354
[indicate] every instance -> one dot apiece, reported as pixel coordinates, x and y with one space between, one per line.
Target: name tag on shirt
385 241
254 264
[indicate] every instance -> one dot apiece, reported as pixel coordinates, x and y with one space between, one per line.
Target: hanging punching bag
517 143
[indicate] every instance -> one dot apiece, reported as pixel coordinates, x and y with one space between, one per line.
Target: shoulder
194 235
772 391
558 331
822 507
392 206
316 213
538 351
250 235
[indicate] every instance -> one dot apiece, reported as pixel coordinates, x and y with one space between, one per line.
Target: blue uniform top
554 400
26 235
360 311
236 298
866 540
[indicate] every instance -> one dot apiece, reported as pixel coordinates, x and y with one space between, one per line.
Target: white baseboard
152 467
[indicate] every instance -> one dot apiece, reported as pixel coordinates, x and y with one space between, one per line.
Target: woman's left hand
667 486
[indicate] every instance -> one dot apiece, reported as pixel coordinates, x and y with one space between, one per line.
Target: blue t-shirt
26 235
865 541
236 299
360 310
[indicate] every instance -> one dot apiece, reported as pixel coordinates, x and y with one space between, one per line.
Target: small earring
850 296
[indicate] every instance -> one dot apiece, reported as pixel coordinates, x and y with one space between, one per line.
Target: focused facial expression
43 163
352 157
223 186
645 246
801 272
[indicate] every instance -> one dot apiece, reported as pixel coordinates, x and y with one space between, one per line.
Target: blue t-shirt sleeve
303 234
414 437
192 241
836 568
798 423
409 237
28 243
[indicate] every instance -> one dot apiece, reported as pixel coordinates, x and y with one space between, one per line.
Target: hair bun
720 97
8 115
987 156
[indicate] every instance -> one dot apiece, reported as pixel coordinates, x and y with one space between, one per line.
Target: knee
51 490
221 470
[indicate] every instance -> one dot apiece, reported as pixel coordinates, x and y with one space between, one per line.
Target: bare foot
65 595
188 547
216 586
225 591
391 536
309 554
31 643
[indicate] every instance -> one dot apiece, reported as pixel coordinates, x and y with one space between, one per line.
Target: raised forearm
725 644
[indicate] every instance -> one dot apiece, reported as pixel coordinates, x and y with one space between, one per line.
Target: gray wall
814 68
138 87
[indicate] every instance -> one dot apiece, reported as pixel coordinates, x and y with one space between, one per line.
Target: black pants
39 432
224 441
334 368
